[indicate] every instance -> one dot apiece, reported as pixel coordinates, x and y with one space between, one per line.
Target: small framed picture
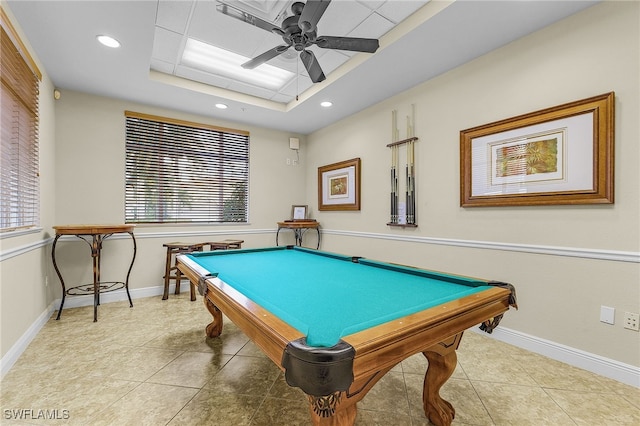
299 212
339 186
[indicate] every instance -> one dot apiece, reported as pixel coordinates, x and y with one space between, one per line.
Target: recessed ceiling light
108 41
221 106
326 104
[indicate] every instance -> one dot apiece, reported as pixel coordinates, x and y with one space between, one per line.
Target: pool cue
412 180
406 190
411 197
392 187
395 184
394 177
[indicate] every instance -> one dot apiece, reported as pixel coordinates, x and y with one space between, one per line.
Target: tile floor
152 365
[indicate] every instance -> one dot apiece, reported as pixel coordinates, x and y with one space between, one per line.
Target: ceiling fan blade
266 56
311 14
355 44
248 18
313 67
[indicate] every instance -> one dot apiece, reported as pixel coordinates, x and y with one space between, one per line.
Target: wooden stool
225 244
170 266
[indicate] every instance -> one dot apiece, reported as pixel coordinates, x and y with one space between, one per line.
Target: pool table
336 324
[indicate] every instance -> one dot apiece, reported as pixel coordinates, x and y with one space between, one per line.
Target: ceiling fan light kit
300 32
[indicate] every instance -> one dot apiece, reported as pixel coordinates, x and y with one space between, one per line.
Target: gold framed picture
339 186
559 155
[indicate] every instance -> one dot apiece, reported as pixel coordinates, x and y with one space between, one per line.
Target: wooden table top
92 229
299 224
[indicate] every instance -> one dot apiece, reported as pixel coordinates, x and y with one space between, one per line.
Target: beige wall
82 167
591 53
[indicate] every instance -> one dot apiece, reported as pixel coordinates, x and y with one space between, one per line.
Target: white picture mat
349 197
577 159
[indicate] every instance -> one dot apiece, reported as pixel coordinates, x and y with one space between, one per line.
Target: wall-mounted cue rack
403 213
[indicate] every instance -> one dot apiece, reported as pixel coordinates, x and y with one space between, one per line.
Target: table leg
215 327
95 255
55 266
277 234
167 273
331 410
340 408
126 283
442 361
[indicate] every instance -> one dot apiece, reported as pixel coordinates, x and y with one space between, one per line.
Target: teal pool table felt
326 296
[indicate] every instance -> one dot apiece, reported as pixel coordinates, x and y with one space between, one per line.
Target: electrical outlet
632 321
46 281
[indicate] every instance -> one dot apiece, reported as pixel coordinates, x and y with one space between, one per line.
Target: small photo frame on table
559 155
339 186
299 212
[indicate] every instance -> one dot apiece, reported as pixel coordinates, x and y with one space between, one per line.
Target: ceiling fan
300 32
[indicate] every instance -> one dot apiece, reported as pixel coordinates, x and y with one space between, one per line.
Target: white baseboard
20 346
621 372
606 367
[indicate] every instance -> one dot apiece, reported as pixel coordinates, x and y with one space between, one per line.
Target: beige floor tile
148 404
245 375
491 364
133 363
591 408
282 412
549 373
459 392
388 395
212 407
191 369
381 418
509 404
282 390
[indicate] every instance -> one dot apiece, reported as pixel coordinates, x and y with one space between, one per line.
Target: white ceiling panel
174 15
295 87
398 10
374 26
166 45
161 66
342 17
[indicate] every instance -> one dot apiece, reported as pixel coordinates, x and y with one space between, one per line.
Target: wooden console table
93 235
299 227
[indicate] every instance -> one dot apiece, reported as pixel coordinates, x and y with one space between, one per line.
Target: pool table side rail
387 344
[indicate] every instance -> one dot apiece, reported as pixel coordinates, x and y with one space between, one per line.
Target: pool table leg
215 328
442 361
332 410
340 408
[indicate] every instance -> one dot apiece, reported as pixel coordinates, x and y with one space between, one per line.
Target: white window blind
19 180
179 172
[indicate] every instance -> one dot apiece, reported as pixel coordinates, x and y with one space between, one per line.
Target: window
19 182
179 172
